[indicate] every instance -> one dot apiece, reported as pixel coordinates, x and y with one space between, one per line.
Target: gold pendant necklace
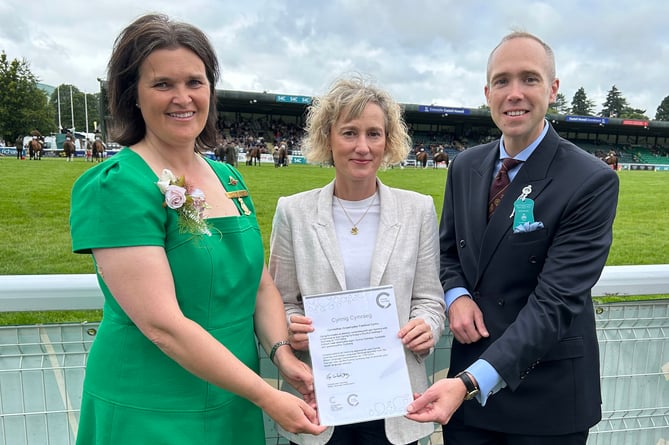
354 229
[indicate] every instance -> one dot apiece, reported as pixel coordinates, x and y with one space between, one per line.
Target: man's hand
465 320
438 402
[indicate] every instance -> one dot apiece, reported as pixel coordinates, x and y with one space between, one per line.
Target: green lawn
36 198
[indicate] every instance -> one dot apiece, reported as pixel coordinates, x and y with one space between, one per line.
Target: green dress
134 393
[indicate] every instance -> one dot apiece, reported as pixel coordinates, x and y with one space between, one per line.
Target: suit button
476 294
533 260
462 243
500 302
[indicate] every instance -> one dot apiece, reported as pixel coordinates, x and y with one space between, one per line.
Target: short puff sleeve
117 204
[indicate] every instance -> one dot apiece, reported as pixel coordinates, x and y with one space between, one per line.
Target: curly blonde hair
348 98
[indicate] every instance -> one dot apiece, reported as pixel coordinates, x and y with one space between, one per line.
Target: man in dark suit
517 268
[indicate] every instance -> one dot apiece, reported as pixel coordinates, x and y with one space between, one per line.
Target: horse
442 156
68 148
421 159
35 149
98 150
253 156
283 157
612 160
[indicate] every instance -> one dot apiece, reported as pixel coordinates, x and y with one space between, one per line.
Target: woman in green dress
179 259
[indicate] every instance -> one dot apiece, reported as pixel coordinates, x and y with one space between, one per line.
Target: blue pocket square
528 227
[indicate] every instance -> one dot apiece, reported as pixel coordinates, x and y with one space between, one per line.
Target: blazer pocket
568 348
528 237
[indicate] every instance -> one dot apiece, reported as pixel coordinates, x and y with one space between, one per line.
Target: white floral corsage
188 202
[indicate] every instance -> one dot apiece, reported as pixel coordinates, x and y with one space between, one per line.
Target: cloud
424 51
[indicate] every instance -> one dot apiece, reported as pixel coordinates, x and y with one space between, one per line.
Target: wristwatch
472 388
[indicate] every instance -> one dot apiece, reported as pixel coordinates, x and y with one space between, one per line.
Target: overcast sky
421 51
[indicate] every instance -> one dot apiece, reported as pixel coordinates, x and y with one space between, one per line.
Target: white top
357 250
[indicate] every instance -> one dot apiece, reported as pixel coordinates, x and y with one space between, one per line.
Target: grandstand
265 118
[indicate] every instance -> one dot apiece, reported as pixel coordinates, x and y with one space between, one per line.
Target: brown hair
131 48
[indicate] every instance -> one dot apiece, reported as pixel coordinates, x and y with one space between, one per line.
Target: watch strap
471 387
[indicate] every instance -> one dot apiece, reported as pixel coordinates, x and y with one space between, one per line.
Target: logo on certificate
383 300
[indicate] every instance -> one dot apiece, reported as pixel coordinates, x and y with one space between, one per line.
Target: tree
84 105
633 113
23 106
559 106
662 113
615 104
580 104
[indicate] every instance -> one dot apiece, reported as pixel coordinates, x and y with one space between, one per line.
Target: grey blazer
305 260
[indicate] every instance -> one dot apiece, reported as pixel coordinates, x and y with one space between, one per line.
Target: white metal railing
81 291
42 366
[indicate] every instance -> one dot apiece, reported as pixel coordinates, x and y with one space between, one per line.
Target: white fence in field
42 366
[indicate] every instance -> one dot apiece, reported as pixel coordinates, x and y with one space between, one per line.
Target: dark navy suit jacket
533 288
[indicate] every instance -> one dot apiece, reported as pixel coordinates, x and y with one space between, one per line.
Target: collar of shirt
524 155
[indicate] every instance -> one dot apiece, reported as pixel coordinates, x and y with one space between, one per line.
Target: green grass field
36 199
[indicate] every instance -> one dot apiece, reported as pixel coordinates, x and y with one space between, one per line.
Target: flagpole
60 125
72 108
86 112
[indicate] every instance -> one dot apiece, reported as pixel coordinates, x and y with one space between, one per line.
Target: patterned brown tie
500 184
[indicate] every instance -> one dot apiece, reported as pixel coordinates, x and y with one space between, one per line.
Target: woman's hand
297 373
417 336
291 413
298 328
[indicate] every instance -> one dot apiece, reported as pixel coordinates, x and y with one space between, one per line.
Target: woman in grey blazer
356 232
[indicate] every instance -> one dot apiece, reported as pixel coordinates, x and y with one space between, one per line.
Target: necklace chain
354 229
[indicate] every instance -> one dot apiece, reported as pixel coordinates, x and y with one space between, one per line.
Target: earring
136 104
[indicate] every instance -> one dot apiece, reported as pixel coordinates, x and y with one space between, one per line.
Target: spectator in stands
355 233
186 288
524 362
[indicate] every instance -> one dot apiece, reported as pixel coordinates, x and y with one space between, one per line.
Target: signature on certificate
337 375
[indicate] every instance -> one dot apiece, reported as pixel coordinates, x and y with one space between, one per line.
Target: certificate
358 360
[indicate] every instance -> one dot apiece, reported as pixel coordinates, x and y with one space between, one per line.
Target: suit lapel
324 227
389 228
533 173
476 195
